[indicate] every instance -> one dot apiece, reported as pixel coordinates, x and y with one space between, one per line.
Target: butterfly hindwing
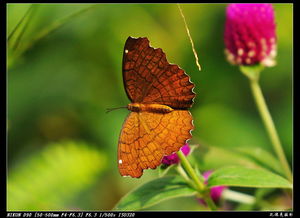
147 137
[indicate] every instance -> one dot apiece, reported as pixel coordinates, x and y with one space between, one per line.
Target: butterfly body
159 123
154 108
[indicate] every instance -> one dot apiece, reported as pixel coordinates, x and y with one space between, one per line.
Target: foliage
247 177
35 183
154 192
64 70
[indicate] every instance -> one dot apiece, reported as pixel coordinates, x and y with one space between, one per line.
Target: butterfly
159 123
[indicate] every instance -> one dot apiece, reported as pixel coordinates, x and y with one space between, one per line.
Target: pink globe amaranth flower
173 158
215 192
250 34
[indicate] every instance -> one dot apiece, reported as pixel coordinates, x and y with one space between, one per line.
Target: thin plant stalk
253 73
183 174
201 188
238 197
270 127
190 37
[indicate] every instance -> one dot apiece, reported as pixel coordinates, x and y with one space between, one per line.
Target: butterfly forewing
149 78
146 137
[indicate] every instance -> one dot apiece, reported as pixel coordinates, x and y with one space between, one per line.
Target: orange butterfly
159 122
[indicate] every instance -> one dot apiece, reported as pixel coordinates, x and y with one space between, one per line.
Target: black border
3 157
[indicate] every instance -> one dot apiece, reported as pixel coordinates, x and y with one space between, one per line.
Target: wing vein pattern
146 137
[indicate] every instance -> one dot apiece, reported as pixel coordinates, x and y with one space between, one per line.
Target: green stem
201 188
183 174
187 166
210 202
238 197
269 124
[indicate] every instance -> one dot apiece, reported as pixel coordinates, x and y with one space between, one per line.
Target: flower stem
238 197
187 166
183 174
269 125
210 202
201 188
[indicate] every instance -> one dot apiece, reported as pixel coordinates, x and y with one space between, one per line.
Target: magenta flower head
250 34
173 158
215 192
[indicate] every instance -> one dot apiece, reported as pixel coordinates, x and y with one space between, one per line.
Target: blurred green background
62 146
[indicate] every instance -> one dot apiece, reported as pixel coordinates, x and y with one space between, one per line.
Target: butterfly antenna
116 108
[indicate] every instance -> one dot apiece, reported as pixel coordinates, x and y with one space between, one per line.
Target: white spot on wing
126 51
120 161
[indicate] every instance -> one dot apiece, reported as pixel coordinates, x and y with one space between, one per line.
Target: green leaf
51 179
154 192
261 157
247 177
57 24
226 157
19 24
253 157
44 32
